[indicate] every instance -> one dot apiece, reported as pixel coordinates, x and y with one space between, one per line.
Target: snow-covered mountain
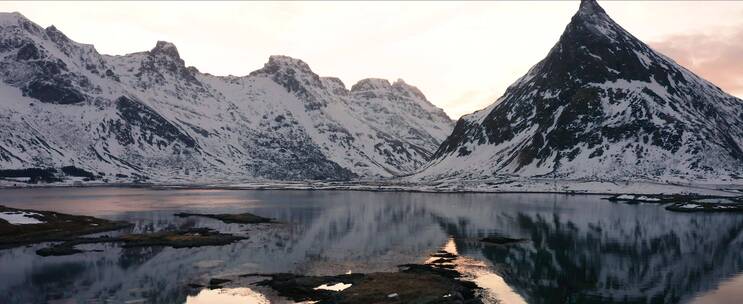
601 106
148 116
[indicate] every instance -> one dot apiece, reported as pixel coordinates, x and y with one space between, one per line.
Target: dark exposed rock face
34 175
602 104
161 60
167 49
28 52
52 91
75 171
154 129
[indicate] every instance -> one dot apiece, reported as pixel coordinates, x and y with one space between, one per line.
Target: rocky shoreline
685 203
496 185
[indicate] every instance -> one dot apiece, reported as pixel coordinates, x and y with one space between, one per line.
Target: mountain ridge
148 116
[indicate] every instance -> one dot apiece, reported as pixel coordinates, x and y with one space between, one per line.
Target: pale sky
462 55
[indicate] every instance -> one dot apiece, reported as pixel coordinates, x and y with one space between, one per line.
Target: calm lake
581 249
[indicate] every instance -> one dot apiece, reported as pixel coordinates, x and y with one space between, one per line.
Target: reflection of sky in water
582 248
228 296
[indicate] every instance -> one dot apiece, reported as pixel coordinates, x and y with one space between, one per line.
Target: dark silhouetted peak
283 68
164 57
165 48
592 20
405 88
279 62
16 19
335 81
335 85
294 75
594 48
286 60
377 87
287 66
56 35
590 8
371 84
598 94
13 18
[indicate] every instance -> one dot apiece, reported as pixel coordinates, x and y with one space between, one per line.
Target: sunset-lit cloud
462 55
717 57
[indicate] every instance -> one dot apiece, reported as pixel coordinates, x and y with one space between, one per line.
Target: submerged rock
501 240
444 254
242 218
217 282
196 237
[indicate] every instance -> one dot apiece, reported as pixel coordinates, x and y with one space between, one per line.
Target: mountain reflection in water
581 249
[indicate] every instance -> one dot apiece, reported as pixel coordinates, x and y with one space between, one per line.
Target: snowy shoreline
478 186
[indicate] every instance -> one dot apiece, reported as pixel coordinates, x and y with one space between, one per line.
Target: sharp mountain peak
165 48
604 105
590 8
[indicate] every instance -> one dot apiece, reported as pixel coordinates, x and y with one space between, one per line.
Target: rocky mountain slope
147 116
601 106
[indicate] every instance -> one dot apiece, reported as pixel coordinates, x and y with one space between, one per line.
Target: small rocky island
435 281
196 237
19 227
413 283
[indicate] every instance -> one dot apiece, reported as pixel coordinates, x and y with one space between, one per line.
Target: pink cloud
717 57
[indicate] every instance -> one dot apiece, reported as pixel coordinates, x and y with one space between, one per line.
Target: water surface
581 249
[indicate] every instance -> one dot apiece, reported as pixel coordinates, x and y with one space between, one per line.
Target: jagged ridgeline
148 116
601 105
